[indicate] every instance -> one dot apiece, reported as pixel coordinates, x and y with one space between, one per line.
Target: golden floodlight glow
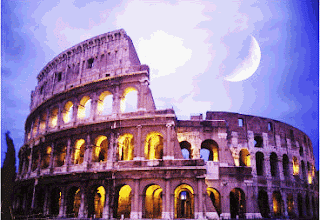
84 107
67 112
100 151
43 118
153 202
126 147
124 202
105 103
184 208
54 117
124 100
245 158
153 146
295 166
35 127
79 151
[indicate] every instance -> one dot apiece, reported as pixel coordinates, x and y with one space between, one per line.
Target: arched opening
153 202
46 156
244 157
290 205
125 147
260 163
258 141
309 173
263 202
73 202
100 150
285 165
303 170
84 108
53 120
105 103
123 202
39 200
35 158
186 149
153 146
43 119
300 205
55 201
60 155
79 149
277 203
215 199
35 127
295 166
129 101
184 201
209 150
67 112
274 164
237 203
307 202
96 202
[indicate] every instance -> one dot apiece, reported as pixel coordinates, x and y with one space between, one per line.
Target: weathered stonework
86 156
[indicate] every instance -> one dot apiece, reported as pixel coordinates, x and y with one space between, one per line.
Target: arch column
68 154
82 208
75 112
62 208
198 213
51 164
225 204
139 147
31 158
94 105
166 211
106 208
116 101
168 149
60 120
88 153
270 197
285 205
136 211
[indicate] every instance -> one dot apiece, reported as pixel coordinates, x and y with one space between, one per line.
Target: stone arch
209 150
186 149
67 112
100 150
184 201
96 202
152 202
215 199
78 151
274 165
122 204
303 170
300 205
35 127
39 199
295 166
105 101
43 119
290 205
53 118
260 163
285 165
129 100
60 153
73 202
263 203
84 108
277 203
237 203
125 147
55 201
244 158
153 146
35 157
307 202
46 157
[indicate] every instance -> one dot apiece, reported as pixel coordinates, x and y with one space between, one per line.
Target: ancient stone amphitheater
97 147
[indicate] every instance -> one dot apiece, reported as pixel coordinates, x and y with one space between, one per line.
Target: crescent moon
249 65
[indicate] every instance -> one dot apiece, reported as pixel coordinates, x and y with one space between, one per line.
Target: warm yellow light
153 146
295 166
153 202
105 103
124 202
67 112
126 147
100 148
49 149
124 100
43 119
84 107
309 178
54 117
35 127
79 151
215 154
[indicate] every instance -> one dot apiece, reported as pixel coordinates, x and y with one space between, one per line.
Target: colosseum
90 153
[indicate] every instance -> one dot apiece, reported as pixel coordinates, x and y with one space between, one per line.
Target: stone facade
90 152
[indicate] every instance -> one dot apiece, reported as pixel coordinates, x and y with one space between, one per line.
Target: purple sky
190 48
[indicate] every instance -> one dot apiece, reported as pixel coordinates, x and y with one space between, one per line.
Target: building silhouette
96 146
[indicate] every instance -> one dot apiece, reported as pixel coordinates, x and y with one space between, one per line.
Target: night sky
190 48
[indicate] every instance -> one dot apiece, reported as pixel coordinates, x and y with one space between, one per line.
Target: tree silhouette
8 175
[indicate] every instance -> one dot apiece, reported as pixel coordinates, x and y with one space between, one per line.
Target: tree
8 175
